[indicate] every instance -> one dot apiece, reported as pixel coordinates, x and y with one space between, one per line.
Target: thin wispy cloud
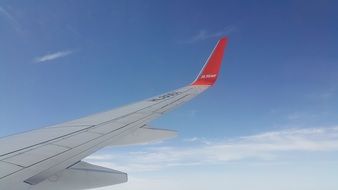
53 56
264 147
204 34
201 140
9 17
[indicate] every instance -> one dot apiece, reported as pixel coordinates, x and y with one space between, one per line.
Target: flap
144 135
82 176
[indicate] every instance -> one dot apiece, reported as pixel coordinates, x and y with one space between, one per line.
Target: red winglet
210 70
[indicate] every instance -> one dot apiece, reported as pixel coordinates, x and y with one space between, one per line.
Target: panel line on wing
84 129
111 131
143 118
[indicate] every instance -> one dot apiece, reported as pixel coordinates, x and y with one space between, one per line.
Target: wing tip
209 73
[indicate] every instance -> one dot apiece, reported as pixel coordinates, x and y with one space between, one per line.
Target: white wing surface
50 158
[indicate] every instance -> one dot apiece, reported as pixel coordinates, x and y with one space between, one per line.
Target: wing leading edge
51 156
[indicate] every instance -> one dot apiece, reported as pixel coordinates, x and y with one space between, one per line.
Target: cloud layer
201 151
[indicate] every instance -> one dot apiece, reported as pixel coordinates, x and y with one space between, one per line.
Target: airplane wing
50 158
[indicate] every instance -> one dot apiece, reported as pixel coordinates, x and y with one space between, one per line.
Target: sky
270 122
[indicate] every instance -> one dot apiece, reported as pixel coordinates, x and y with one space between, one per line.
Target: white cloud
263 147
53 56
204 34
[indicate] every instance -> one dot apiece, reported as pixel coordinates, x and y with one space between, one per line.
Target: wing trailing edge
143 135
82 176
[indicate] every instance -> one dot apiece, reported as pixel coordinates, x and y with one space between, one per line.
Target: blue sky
270 121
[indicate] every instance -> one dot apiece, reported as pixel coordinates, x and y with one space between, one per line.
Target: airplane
51 157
